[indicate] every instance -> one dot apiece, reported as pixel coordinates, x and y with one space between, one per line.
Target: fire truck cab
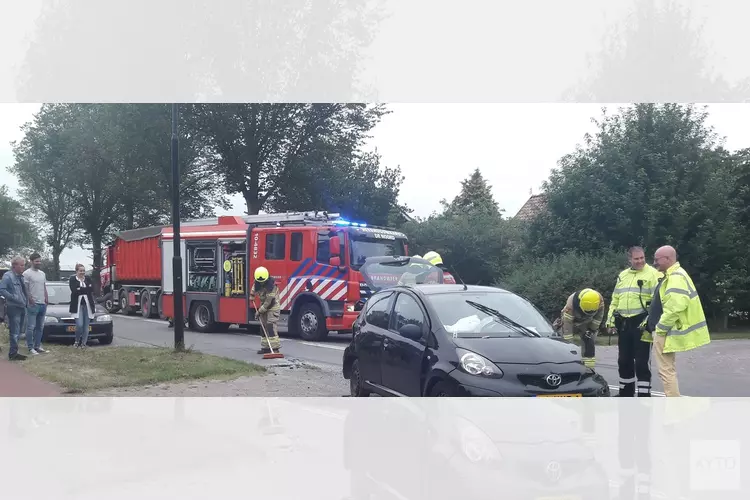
315 259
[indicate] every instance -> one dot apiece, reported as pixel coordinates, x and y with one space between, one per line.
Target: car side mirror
411 332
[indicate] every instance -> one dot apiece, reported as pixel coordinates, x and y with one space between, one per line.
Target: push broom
272 354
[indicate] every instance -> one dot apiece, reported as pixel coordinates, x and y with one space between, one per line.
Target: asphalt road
720 369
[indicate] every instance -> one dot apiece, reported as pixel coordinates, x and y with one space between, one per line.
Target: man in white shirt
36 284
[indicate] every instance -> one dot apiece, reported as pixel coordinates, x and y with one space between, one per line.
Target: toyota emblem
554 380
554 469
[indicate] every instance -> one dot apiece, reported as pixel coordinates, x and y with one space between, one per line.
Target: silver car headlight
51 319
104 318
474 364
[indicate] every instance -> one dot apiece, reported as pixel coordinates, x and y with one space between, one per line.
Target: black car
456 340
59 324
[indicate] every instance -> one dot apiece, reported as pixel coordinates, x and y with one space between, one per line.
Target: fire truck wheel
310 322
202 317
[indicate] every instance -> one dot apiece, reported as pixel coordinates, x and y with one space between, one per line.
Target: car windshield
406 271
362 247
462 319
58 294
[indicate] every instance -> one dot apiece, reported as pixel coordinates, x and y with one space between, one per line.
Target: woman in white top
81 304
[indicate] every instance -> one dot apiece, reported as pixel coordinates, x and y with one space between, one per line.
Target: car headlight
476 444
474 364
104 318
51 319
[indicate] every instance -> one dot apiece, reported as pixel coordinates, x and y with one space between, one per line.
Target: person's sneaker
264 351
76 345
18 357
33 352
42 350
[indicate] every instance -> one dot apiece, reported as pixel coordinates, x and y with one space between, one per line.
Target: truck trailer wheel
110 304
202 317
146 309
124 307
310 323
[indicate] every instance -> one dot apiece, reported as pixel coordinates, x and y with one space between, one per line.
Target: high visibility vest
628 298
682 320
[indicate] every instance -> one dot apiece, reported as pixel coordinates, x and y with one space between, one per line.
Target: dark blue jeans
35 325
16 318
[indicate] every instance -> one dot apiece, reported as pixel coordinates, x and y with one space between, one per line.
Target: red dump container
138 261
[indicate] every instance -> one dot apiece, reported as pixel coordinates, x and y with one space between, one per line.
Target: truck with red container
314 257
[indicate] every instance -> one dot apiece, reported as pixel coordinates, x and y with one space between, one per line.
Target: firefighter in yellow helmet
270 309
436 260
582 316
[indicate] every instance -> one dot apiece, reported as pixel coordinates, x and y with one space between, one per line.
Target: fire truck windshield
362 246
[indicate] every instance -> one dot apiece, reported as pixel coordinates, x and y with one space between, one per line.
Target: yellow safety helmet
433 258
589 299
261 274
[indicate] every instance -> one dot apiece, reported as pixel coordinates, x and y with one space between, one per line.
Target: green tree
257 149
18 232
42 172
652 175
354 185
548 281
475 197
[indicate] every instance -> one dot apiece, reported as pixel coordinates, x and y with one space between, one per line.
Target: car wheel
107 340
311 324
443 390
356 382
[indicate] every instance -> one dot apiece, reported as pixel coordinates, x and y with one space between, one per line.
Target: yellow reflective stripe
674 331
567 316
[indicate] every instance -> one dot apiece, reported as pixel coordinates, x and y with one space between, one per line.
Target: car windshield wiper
503 319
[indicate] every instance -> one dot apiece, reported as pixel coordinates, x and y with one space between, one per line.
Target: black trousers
633 357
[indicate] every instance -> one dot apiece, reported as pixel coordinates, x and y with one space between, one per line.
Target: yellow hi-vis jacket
682 319
628 299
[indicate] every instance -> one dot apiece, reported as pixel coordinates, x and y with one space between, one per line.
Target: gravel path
288 381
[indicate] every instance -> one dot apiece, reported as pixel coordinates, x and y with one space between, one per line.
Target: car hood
63 310
522 350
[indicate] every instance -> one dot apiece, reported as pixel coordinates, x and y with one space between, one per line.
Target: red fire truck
314 257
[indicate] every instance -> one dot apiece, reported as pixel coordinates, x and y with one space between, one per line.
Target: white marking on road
653 393
316 344
157 321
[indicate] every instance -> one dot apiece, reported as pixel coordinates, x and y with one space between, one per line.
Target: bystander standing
13 290
36 284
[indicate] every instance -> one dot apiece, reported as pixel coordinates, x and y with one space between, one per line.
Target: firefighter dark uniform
631 298
582 315
270 309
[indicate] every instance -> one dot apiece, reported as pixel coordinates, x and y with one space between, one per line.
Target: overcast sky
438 145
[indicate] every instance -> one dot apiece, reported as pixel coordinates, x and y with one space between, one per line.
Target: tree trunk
56 263
252 202
96 246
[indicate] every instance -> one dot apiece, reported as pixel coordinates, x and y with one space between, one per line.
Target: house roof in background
533 207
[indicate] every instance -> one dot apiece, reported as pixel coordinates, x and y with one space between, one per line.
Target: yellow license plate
559 396
73 329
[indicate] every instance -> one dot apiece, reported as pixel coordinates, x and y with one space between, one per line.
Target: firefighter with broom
269 311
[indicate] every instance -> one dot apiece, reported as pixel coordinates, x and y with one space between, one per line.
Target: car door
402 357
370 335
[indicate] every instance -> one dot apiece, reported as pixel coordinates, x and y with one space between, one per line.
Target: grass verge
104 367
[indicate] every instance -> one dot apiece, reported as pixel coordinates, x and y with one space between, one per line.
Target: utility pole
179 317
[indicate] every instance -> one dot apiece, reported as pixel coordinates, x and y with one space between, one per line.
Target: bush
548 282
